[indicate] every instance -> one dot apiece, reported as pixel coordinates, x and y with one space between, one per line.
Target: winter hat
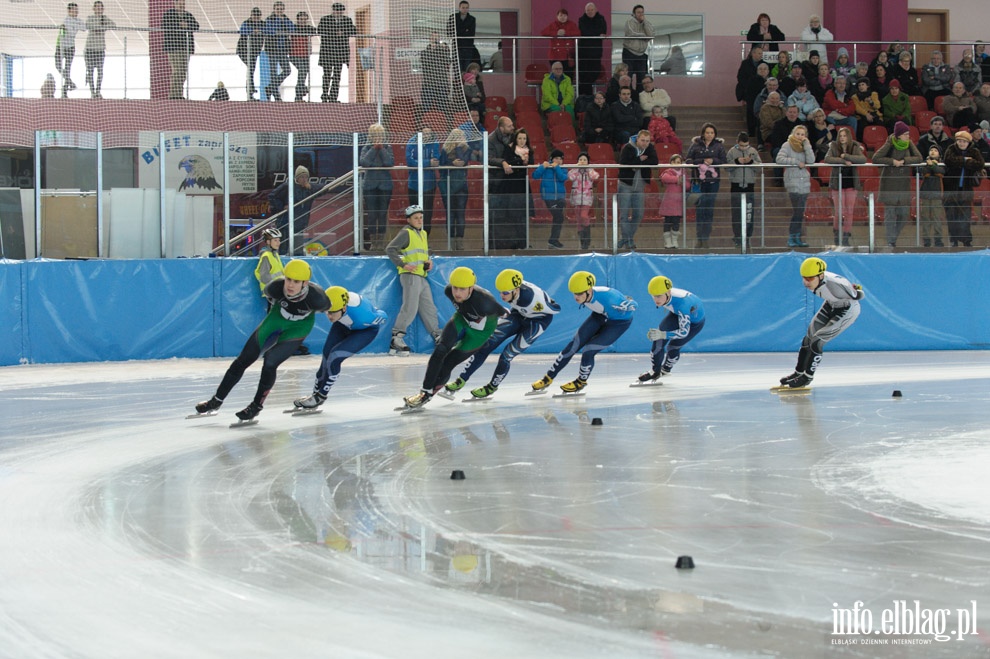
985 125
894 83
841 52
556 153
936 118
814 53
302 171
900 128
469 78
963 135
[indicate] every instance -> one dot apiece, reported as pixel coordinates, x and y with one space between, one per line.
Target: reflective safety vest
274 266
417 253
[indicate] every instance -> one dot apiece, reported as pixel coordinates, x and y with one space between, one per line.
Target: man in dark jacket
640 154
178 26
963 167
461 27
626 117
302 199
335 30
936 136
589 53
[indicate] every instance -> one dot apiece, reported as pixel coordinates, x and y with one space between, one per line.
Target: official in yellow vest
410 252
269 262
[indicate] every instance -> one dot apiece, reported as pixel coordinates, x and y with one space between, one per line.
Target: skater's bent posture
294 300
685 318
840 310
474 320
530 311
611 315
355 325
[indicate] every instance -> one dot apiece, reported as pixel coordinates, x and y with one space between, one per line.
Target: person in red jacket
563 30
838 105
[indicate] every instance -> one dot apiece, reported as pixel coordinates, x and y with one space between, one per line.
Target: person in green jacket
896 106
557 91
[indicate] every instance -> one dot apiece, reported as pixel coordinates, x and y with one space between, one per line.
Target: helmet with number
338 297
508 280
462 277
297 269
271 232
659 285
812 267
412 210
581 282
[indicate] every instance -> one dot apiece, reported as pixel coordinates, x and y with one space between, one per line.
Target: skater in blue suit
685 318
611 315
356 323
531 310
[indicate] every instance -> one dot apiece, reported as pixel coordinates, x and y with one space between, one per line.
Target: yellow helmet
508 280
297 269
581 282
462 277
338 297
812 267
659 285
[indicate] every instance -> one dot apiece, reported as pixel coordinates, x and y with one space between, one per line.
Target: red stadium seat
923 118
525 103
571 151
819 208
664 151
874 137
535 73
940 105
559 117
562 133
918 104
601 154
496 104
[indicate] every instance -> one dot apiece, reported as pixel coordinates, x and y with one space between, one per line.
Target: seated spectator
969 73
597 122
662 132
753 88
816 32
765 34
838 105
771 112
821 134
882 59
615 83
479 80
220 93
771 86
557 91
983 102
959 107
626 117
906 74
821 83
495 63
789 84
936 79
936 136
803 100
562 45
472 93
651 97
782 68
896 107
869 112
843 67
880 80
48 87
675 64
862 71
810 66
894 52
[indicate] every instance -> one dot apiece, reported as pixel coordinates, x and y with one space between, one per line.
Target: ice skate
482 393
207 408
451 387
540 386
415 402
570 389
309 405
247 416
398 346
794 383
648 379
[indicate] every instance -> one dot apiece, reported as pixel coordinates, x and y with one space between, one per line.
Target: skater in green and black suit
464 334
294 301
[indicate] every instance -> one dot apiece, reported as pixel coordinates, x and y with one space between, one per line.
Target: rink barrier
116 310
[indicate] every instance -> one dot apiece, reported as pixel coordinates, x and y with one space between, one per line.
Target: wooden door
362 23
928 26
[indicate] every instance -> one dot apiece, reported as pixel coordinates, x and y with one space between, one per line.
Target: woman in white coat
797 155
816 32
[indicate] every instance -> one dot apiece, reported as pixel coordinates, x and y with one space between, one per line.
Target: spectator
754 86
48 86
557 91
652 97
496 62
906 74
278 28
515 192
880 80
473 130
982 101
844 152
498 168
429 158
583 180
795 155
959 107
771 112
897 158
638 157
598 122
302 198
894 52
862 71
454 159
435 62
300 49
843 68
249 46
472 91
65 45
593 29
803 99
771 86
462 27
475 68
936 79
661 132
764 33
675 182
810 66
742 179
782 68
839 106
936 135
821 83
220 93
931 214
552 175
817 33
675 64
377 159
882 59
963 165
335 30
982 58
868 108
638 36
783 129
821 134
615 83
748 70
178 27
896 106
626 119
97 25
969 73
980 141
562 45
788 83
409 251
708 152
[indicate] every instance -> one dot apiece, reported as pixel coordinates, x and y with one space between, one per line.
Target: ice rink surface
128 531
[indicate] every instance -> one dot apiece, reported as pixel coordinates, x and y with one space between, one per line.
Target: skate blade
197 415
399 353
569 394
474 399
302 411
784 389
408 410
651 383
541 392
443 393
243 424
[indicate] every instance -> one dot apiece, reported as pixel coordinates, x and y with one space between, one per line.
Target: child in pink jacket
583 180
672 206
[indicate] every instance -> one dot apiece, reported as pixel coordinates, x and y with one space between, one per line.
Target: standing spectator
661 132
845 152
675 64
65 45
795 155
771 112
593 28
980 141
963 164
803 100
931 214
897 158
48 86
983 102
708 152
639 157
598 122
249 46
552 174
906 74
278 28
896 106
562 45
754 87
498 168
515 190
461 28
764 33
409 251
178 28
742 181
638 36
429 158
302 197
454 159
839 106
435 63
936 135
936 79
96 47
626 119
749 70
868 109
220 93
969 73
473 130
652 97
377 159
817 33
557 91
300 49
583 180
335 30
675 182
959 107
